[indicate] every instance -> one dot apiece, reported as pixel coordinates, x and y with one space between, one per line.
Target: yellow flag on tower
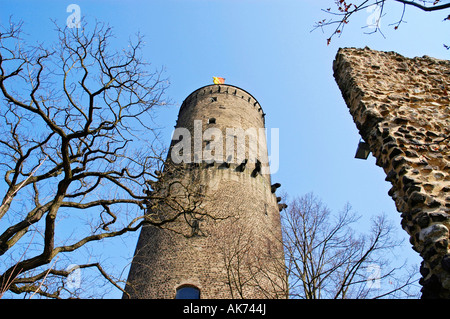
218 80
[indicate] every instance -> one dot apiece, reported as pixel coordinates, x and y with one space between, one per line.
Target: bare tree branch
326 259
346 9
435 7
75 136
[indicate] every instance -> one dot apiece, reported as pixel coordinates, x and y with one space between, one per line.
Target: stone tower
220 233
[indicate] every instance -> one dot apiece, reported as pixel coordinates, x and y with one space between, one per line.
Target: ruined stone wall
401 107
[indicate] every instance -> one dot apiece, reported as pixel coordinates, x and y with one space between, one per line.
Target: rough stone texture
401 108
227 239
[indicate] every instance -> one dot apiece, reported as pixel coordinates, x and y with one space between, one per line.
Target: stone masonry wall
227 239
401 107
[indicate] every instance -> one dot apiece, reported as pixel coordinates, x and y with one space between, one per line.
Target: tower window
212 121
213 99
187 292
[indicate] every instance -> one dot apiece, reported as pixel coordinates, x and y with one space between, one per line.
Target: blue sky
268 49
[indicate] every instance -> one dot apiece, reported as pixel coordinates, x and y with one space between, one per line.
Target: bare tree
252 265
79 153
327 259
343 11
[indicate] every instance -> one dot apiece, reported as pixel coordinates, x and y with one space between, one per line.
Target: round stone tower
220 231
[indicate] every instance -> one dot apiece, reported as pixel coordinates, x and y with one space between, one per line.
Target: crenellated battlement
214 89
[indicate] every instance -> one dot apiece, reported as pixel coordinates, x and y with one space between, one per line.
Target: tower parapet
223 89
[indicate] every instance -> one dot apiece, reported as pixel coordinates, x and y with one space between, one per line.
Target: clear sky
268 49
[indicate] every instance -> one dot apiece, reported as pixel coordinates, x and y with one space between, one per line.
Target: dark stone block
417 198
396 151
439 217
423 220
445 262
431 288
